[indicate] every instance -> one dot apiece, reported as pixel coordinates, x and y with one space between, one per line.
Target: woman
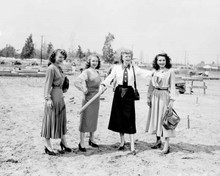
88 82
161 95
122 117
54 121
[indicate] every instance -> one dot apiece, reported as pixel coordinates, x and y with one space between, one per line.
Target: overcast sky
177 27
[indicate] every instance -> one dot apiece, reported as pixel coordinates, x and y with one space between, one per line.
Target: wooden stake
188 122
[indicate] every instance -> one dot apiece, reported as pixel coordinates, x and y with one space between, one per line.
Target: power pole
41 57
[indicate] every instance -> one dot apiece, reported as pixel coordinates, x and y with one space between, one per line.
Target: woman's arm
142 72
48 83
172 86
80 82
110 77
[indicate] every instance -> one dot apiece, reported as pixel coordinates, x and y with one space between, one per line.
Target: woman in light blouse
122 118
161 95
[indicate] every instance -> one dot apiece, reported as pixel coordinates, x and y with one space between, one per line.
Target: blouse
164 80
118 71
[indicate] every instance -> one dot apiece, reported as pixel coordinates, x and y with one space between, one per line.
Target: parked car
180 85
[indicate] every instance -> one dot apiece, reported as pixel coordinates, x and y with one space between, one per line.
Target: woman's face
59 58
94 62
161 61
126 59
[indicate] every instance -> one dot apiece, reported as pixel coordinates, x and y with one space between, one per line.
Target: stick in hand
91 100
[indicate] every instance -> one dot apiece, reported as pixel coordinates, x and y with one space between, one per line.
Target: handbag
171 119
65 85
136 93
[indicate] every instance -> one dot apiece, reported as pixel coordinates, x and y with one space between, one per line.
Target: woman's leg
132 142
122 137
48 144
91 137
166 144
82 138
63 140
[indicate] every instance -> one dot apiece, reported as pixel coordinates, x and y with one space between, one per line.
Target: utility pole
217 58
41 57
185 58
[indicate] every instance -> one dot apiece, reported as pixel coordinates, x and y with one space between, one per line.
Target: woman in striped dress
54 121
161 95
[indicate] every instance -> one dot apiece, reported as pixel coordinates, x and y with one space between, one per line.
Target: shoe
92 144
134 152
49 152
63 147
81 149
157 145
166 152
121 147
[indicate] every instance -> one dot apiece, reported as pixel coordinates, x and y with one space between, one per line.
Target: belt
158 88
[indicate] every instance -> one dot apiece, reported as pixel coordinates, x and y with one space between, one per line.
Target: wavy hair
88 62
126 51
168 61
54 53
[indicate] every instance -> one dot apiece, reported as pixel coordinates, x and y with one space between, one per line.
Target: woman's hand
102 88
85 91
49 103
170 105
149 103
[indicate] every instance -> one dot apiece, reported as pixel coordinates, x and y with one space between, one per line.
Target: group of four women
161 95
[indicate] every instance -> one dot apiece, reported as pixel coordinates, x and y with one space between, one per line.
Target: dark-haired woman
88 82
54 121
161 95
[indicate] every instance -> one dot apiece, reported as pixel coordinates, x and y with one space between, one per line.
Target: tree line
30 51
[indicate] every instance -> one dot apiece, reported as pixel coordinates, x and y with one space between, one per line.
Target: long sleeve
110 77
172 85
150 90
142 72
48 83
80 82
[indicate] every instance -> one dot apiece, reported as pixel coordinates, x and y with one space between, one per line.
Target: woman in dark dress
54 121
122 117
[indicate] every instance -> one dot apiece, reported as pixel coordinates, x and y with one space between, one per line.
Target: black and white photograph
110 88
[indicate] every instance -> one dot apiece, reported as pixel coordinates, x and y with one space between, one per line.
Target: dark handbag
136 93
65 84
171 119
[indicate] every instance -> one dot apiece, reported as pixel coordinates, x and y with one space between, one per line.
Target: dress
122 118
159 101
54 120
89 79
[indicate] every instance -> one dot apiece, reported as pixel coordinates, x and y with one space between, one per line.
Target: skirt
122 118
89 117
159 102
54 121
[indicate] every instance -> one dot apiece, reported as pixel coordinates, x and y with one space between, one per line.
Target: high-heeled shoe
157 145
121 147
49 152
63 147
81 148
166 151
92 144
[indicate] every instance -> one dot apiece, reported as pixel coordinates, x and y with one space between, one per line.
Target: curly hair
168 61
88 62
126 51
54 53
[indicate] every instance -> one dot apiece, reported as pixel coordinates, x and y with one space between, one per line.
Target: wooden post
188 122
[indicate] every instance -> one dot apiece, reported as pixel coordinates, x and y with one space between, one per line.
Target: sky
187 30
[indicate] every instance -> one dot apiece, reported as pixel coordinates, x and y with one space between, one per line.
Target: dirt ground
194 151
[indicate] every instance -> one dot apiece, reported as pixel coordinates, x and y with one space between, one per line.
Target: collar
123 67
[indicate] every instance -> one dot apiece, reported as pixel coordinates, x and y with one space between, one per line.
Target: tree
28 49
49 49
108 53
80 53
8 51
